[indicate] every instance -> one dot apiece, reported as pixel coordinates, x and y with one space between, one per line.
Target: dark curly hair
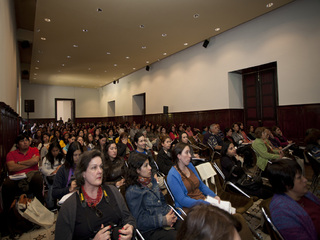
135 161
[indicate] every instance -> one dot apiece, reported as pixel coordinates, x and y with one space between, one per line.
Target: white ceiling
114 26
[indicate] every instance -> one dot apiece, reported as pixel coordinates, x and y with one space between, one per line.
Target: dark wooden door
260 95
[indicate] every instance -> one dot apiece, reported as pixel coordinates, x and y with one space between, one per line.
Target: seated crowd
117 175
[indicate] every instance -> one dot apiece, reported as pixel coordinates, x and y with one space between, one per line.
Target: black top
88 222
164 161
231 168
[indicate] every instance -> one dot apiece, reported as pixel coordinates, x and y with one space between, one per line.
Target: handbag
254 183
34 211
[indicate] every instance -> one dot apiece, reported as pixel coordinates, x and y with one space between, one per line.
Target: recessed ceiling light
115 64
35 74
269 5
38 61
105 70
163 34
197 15
141 26
134 68
108 53
147 61
165 54
84 30
99 10
127 57
43 38
36 68
47 20
89 69
143 47
62 64
217 29
34 78
186 44
38 30
69 57
75 45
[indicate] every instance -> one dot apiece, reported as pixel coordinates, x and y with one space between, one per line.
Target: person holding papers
184 181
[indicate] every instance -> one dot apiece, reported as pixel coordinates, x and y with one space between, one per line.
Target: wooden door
260 95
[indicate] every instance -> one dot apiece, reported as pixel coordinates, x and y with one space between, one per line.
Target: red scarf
146 182
92 202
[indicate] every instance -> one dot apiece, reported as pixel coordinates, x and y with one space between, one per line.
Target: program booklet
225 205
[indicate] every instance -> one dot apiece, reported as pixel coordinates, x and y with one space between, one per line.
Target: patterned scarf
92 202
146 182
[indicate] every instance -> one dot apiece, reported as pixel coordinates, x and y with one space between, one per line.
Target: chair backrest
271 228
206 172
314 163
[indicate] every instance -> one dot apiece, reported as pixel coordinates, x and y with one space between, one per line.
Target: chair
172 202
315 165
272 230
217 166
242 202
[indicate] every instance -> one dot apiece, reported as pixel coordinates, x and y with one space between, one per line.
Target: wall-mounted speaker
205 43
165 109
28 106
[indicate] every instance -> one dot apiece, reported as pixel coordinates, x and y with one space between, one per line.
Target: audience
184 181
206 222
294 211
264 154
22 160
164 158
50 165
95 210
64 181
155 219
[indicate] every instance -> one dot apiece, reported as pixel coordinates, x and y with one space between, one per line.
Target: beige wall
199 79
86 99
9 67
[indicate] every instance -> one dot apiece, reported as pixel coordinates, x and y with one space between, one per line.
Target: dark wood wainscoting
9 130
294 120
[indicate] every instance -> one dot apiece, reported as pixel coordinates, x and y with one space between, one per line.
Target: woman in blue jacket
154 217
184 181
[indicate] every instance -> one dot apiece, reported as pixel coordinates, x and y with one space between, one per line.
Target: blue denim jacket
148 206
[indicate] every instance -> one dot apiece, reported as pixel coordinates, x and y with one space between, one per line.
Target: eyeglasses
97 211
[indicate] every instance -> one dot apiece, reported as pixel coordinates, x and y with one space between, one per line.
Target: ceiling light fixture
164 35
35 74
108 53
36 68
38 61
197 15
84 30
75 45
141 26
47 20
186 44
134 68
38 30
269 5
147 61
62 64
115 64
89 69
43 38
143 47
127 57
165 54
69 57
217 29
